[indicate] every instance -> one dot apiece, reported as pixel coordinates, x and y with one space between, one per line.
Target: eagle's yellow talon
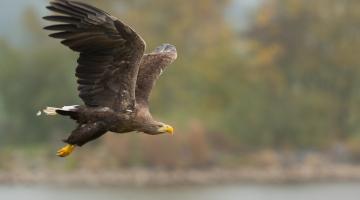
65 151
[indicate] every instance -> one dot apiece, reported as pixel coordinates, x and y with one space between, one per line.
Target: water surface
319 191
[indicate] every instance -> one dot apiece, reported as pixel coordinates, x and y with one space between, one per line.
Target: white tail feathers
39 113
69 108
51 111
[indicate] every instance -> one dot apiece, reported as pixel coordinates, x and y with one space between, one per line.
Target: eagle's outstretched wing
151 67
110 53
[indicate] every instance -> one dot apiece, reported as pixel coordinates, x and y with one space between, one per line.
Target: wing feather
110 52
151 68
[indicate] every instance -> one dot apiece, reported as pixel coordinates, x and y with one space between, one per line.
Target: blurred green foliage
288 80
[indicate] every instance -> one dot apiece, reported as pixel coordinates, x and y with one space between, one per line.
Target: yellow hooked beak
167 129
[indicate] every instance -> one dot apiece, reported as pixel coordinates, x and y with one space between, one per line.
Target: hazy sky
11 11
10 17
240 10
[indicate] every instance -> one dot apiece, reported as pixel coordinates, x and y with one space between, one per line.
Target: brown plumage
115 77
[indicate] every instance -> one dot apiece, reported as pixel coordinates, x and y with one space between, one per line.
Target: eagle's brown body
115 77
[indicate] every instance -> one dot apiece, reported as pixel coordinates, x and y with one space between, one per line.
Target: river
318 191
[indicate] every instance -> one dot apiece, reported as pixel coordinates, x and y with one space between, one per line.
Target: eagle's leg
81 135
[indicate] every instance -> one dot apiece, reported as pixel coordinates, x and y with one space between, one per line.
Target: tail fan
71 111
50 111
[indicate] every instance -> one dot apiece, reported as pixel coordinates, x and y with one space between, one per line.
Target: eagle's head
156 128
164 128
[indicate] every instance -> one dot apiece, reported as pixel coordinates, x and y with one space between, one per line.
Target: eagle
114 75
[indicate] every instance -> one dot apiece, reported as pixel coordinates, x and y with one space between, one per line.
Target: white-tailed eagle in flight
114 75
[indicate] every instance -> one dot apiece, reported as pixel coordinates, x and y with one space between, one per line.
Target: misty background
265 84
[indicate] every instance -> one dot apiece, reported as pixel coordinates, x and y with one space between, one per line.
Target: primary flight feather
115 77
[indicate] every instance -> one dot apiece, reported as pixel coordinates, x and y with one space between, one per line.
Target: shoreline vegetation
147 177
113 164
138 160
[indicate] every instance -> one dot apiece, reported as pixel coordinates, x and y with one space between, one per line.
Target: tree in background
305 55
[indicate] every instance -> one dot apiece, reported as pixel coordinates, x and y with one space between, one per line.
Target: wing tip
48 18
49 7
